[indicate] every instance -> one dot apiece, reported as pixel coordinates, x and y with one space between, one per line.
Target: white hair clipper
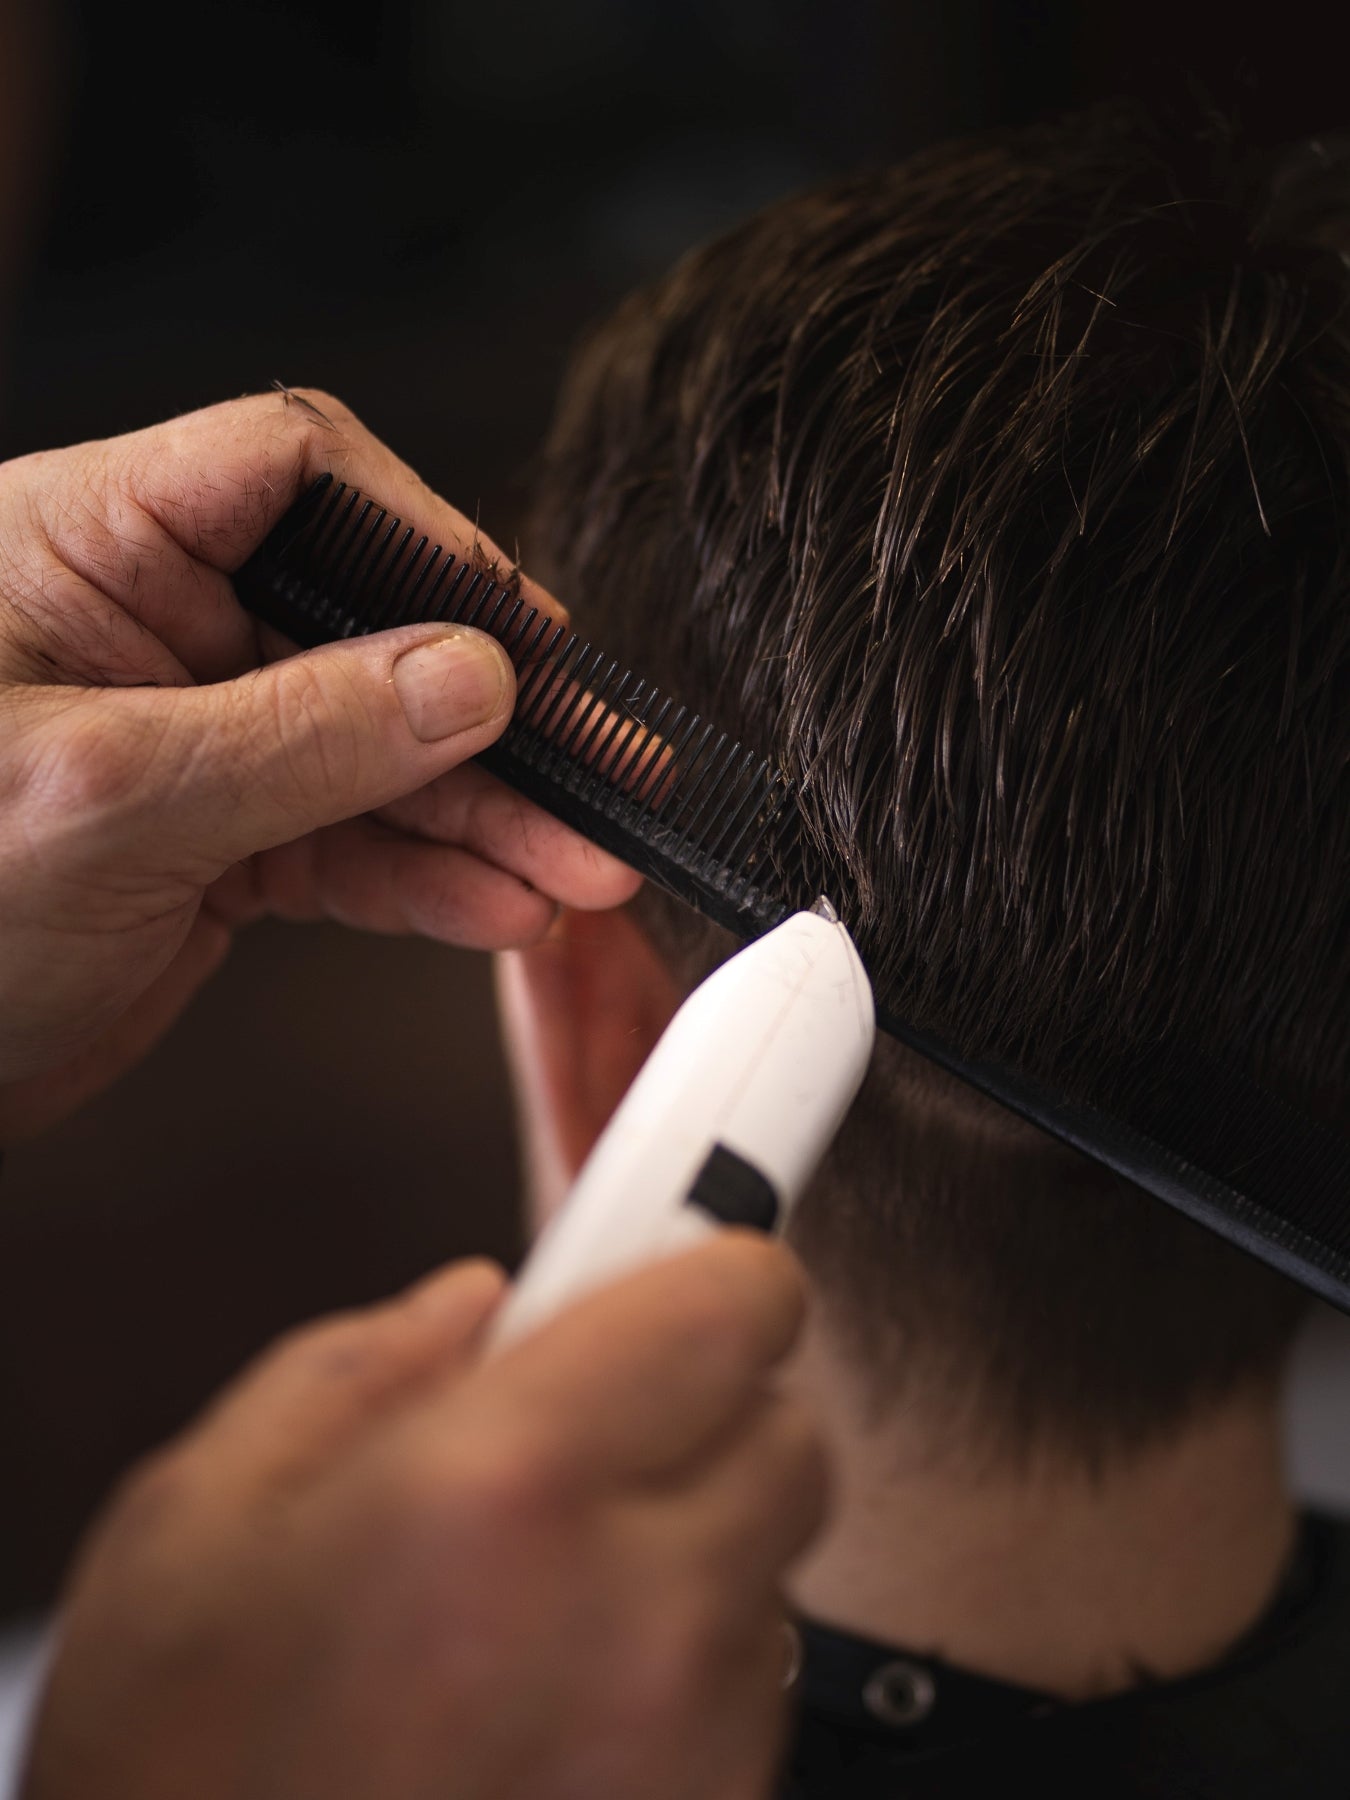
726 1122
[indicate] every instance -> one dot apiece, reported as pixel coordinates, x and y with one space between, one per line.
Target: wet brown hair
1004 496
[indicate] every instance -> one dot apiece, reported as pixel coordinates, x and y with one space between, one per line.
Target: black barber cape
1269 1722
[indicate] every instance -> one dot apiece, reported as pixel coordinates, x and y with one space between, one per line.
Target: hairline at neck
1050 1575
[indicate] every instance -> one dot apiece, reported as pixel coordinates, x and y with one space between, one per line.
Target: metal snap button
900 1693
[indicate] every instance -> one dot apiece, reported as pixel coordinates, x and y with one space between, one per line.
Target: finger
158 520
638 1379
754 1503
364 875
742 1749
708 1671
311 1393
185 781
472 808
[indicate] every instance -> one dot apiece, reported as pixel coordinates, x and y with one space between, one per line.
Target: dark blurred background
417 204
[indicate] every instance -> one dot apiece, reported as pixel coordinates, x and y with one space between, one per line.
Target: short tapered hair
1004 497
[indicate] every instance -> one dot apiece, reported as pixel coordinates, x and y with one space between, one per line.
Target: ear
580 1013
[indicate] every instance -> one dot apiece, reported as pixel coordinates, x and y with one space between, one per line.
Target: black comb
600 748
718 826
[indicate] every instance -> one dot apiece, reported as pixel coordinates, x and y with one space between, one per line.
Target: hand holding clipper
726 1121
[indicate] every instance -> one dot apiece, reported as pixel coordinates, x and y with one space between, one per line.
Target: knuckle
306 727
801 1443
288 1347
518 1484
26 766
507 1491
96 764
300 702
712 1329
320 400
806 1463
151 1491
663 1675
324 421
336 1351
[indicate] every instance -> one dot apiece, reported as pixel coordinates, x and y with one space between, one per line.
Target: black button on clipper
734 1191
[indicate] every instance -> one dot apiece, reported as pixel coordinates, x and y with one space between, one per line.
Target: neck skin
1044 1578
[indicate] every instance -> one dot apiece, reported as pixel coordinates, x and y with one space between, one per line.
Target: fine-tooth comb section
718 826
595 744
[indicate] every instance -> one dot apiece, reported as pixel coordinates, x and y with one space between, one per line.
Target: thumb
307 1396
197 778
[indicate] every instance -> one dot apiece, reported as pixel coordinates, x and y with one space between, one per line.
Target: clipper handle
725 1123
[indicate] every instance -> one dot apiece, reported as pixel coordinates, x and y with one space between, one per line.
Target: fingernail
451 683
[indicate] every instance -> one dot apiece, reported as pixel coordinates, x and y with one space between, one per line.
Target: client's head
1004 498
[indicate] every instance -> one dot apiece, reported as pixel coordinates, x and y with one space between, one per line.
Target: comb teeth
590 741
720 828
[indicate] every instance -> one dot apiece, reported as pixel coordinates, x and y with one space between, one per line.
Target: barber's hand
383 1569
163 777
